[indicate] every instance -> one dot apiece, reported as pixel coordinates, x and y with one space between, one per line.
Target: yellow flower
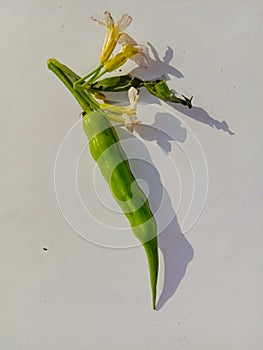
136 52
113 33
115 62
124 115
130 50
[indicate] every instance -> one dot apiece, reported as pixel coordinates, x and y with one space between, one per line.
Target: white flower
133 95
139 53
130 48
113 32
131 119
126 114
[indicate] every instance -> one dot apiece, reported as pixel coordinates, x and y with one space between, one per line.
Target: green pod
106 150
117 83
160 89
157 87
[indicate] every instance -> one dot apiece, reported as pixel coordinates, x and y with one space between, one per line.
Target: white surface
77 295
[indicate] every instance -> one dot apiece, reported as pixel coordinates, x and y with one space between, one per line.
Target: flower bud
115 62
99 95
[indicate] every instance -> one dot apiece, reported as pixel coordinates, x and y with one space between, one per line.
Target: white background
77 295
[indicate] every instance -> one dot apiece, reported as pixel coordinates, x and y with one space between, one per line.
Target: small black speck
183 51
120 70
45 249
221 69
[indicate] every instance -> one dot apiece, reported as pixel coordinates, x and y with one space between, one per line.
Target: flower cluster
115 34
130 49
125 115
89 90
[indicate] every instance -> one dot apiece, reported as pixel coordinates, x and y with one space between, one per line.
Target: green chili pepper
123 186
106 150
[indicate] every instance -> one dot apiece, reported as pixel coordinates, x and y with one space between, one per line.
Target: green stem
80 86
97 76
95 71
68 77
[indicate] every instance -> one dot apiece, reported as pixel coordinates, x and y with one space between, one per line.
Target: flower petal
133 95
140 59
128 123
102 23
109 20
143 49
125 40
123 22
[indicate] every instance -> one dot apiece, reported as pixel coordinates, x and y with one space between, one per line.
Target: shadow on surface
200 115
157 66
176 250
177 253
154 131
162 68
